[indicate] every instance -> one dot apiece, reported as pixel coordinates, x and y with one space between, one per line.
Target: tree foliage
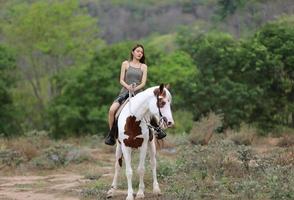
247 80
49 36
8 122
278 39
177 70
87 94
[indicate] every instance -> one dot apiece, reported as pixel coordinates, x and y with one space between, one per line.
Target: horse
133 126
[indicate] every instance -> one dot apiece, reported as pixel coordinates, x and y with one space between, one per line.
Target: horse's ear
167 86
159 91
161 87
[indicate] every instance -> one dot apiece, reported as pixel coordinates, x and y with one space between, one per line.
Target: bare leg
118 156
112 110
152 151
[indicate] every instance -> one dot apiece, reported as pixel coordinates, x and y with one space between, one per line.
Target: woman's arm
144 78
124 67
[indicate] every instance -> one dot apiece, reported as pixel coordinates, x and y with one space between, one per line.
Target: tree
278 39
87 94
48 37
229 7
8 123
178 70
235 79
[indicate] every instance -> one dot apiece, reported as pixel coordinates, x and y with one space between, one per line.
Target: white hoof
156 191
140 195
130 197
110 193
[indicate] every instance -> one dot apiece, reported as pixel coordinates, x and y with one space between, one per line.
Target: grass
226 168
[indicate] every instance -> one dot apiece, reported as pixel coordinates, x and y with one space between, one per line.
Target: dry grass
286 141
233 166
286 157
203 130
245 136
24 147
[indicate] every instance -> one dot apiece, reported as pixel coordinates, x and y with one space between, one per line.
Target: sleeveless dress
132 75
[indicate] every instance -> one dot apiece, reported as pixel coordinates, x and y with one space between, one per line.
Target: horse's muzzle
170 124
166 123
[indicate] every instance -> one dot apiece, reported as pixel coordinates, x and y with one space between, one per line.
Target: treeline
125 19
57 74
247 81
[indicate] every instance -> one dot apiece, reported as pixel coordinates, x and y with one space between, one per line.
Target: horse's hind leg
118 164
141 170
152 151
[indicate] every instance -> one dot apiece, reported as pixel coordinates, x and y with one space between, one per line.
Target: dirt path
58 187
62 184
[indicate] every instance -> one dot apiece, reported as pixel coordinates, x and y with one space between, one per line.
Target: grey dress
132 75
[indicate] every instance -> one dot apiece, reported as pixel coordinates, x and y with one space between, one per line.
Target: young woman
133 76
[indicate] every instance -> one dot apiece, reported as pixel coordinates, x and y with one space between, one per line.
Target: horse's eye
162 103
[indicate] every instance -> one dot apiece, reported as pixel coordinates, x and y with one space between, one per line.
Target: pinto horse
133 126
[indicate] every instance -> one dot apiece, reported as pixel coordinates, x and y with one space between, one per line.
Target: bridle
162 119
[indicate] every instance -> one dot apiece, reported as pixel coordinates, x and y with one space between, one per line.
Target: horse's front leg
152 151
118 162
141 170
129 172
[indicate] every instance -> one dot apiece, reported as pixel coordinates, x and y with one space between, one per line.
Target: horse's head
162 107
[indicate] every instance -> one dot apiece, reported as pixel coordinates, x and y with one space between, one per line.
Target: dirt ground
61 184
58 186
67 183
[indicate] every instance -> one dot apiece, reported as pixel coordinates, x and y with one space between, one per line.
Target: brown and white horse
133 132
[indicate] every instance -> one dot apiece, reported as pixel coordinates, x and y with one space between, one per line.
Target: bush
203 130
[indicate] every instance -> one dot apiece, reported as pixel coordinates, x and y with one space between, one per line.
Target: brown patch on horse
133 129
120 161
157 92
160 93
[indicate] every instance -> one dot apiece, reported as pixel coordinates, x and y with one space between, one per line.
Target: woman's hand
132 87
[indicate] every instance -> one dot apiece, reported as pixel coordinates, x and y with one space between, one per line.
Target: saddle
120 109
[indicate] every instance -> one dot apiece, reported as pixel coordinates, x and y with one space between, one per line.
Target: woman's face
138 53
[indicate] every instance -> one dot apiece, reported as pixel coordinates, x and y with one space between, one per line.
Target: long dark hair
142 60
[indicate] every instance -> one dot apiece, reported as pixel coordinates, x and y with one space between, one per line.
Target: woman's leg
112 110
110 139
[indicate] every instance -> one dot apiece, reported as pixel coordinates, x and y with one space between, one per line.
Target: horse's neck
138 105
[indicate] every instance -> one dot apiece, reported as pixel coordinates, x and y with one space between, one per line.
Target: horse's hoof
110 193
130 198
108 196
140 195
157 191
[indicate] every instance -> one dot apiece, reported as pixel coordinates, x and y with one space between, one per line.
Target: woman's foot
110 140
160 134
